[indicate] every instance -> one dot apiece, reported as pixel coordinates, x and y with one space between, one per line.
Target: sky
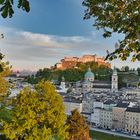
52 30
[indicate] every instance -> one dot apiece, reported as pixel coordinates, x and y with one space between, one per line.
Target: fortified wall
70 62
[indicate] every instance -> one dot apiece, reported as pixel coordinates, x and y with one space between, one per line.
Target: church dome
89 76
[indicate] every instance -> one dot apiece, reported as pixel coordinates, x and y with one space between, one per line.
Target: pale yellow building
132 120
106 118
118 116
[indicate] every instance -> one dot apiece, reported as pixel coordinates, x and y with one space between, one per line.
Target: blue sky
53 29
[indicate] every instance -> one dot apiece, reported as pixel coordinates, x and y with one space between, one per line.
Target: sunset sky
52 30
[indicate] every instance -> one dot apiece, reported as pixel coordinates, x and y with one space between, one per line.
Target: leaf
24 4
4 11
2 1
34 113
120 16
6 8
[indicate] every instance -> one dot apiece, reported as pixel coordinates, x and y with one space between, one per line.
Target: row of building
70 62
121 116
102 103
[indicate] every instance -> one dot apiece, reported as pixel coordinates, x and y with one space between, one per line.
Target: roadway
115 133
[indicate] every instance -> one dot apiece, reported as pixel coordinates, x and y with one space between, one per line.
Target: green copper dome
89 75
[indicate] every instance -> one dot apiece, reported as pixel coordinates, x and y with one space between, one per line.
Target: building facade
119 116
70 105
106 118
132 120
95 117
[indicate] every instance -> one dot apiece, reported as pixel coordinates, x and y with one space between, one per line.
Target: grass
102 136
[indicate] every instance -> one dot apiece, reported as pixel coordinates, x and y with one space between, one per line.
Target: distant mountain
24 73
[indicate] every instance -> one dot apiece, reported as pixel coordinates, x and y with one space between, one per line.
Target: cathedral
90 84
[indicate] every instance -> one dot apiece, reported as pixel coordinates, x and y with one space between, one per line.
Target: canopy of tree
4 71
37 114
6 7
73 74
5 114
126 75
119 16
78 128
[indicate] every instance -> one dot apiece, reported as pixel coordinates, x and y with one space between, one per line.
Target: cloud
17 37
27 48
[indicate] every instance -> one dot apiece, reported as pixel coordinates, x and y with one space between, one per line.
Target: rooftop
122 105
72 100
109 102
133 109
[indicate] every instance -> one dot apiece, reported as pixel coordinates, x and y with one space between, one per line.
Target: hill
101 72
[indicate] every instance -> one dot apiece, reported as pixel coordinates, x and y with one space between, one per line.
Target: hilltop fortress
70 62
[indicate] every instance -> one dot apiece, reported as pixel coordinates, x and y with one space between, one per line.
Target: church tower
115 80
63 85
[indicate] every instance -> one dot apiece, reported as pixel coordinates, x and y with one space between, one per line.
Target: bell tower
115 80
63 85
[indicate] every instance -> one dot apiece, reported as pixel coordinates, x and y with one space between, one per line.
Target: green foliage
73 74
138 69
126 68
121 82
103 136
78 128
6 7
119 16
32 79
5 114
130 79
127 77
2 137
4 71
37 114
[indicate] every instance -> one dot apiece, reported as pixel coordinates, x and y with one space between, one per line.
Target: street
115 133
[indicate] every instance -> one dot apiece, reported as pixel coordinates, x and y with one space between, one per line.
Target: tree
78 128
126 69
6 7
72 74
138 69
120 16
4 72
37 114
5 114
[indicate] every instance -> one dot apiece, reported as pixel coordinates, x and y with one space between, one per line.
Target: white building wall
98 104
106 119
95 117
69 106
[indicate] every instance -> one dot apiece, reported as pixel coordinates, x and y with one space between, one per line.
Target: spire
115 71
114 80
89 69
63 79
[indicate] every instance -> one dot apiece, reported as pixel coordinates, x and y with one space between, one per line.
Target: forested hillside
73 74
126 75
